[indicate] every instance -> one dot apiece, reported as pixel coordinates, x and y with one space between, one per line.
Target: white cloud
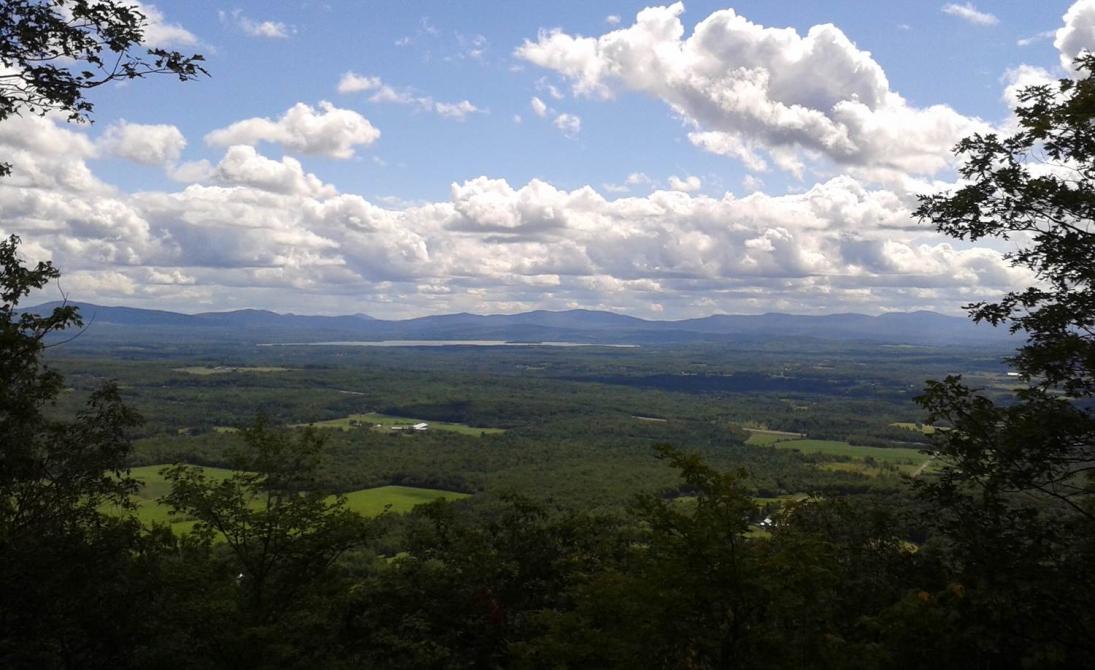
747 90
148 144
568 124
455 110
352 82
687 185
244 166
192 171
256 28
260 231
542 84
1037 37
269 29
1017 79
355 83
538 107
1078 32
752 184
328 131
158 33
612 19
967 12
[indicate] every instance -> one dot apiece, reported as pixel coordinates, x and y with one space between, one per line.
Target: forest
785 503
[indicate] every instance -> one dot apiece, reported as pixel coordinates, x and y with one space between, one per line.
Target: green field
370 502
367 502
907 460
763 438
371 420
205 370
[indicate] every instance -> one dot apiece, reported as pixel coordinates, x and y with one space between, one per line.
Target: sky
664 161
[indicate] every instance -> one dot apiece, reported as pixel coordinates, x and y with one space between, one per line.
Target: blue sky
500 156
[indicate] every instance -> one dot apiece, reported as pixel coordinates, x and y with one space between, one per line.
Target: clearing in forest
205 370
385 422
906 460
367 502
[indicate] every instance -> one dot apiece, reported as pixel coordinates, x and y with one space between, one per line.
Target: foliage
55 50
1016 496
283 532
54 476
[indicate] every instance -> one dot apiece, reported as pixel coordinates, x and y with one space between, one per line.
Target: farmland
205 370
575 426
367 502
384 422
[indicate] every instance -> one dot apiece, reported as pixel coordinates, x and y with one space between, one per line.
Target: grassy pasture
906 460
839 448
370 420
763 438
367 502
370 502
206 370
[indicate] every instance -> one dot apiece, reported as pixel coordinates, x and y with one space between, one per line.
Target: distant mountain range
128 324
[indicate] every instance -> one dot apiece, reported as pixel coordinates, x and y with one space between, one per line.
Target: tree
281 536
55 477
53 51
1017 489
66 568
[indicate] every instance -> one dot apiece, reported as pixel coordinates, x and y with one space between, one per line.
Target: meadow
367 502
206 370
870 461
385 422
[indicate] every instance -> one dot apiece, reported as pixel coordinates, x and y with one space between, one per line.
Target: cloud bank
257 230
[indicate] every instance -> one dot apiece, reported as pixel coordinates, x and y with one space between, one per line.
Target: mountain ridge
120 323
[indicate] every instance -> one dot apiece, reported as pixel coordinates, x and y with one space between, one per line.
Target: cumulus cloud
148 144
1019 78
967 12
191 171
260 231
749 90
158 33
328 131
1078 32
538 107
244 166
686 185
351 82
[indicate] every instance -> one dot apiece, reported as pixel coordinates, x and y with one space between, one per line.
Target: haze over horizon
664 162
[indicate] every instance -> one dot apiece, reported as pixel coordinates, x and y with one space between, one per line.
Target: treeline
683 579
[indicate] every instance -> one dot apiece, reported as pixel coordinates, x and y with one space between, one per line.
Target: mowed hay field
371 420
367 502
758 436
906 460
206 370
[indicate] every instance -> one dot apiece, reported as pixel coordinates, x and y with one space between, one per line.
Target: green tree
55 477
53 51
68 571
272 528
1016 493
